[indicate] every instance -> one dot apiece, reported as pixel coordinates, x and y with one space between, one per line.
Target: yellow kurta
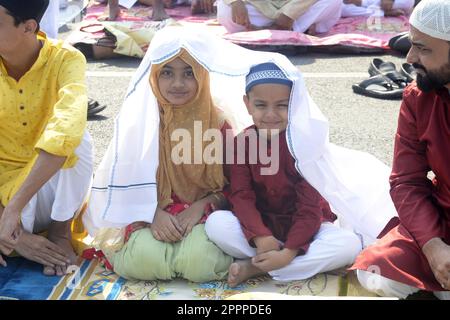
273 8
45 110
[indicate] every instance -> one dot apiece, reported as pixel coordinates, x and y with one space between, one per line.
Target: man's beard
432 80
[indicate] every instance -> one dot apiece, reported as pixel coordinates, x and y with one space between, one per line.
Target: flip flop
379 87
94 107
409 72
388 69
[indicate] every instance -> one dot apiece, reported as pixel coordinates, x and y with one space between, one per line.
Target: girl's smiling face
177 83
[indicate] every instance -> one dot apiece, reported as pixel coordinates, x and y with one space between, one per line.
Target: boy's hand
240 14
266 243
274 260
165 227
10 230
189 217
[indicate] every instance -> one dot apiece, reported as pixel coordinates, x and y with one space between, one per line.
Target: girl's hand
165 227
189 217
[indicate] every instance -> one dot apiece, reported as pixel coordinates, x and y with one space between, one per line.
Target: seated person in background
280 224
394 8
312 16
159 13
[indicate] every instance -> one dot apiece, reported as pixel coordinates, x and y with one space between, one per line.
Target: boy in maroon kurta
280 224
416 254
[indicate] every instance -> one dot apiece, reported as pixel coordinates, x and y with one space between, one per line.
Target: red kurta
422 144
283 205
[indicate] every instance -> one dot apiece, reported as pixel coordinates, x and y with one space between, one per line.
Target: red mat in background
352 33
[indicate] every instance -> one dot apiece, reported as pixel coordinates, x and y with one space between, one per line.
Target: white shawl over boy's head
124 190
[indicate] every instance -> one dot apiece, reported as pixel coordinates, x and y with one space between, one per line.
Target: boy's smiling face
268 105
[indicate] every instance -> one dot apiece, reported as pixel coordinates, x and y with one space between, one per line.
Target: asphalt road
356 122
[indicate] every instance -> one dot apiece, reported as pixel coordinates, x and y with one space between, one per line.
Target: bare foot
312 30
59 234
240 271
111 12
159 13
66 246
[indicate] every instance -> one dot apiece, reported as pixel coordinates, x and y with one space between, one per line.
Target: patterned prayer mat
24 280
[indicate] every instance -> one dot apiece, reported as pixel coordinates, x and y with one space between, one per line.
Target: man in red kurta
280 224
415 255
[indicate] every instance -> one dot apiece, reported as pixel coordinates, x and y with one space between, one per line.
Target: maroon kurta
283 205
422 144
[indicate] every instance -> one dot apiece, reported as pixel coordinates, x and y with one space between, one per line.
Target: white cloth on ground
63 195
355 183
385 287
50 21
331 249
370 7
324 14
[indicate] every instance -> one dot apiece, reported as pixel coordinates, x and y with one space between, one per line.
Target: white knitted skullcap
432 17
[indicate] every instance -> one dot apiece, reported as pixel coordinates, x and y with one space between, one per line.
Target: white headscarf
432 17
124 190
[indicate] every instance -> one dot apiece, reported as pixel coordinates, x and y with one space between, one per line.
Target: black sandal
409 72
388 69
382 88
94 107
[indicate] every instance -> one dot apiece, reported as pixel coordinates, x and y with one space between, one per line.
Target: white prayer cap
432 17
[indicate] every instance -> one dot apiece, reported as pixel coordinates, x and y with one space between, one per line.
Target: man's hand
165 227
189 217
10 229
438 256
266 243
283 22
41 250
240 14
274 260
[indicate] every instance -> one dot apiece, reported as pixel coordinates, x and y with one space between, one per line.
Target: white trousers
50 21
369 7
63 195
385 287
332 247
324 14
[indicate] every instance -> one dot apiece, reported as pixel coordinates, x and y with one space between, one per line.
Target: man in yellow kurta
45 152
312 16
